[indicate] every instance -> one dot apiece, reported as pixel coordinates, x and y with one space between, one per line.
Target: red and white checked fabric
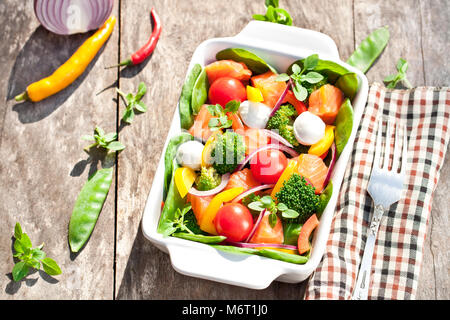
399 247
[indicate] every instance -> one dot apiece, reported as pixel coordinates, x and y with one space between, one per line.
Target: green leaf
128 115
232 106
142 90
256 64
282 77
25 241
213 122
312 77
402 65
17 231
20 270
51 267
283 17
37 254
390 78
300 92
273 3
199 92
311 62
282 207
256 205
266 201
115 146
141 107
296 69
290 214
87 138
273 219
33 263
110 137
259 17
99 131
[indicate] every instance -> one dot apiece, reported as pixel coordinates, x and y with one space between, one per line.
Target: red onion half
262 245
275 136
220 187
284 148
252 190
72 16
256 225
331 166
280 100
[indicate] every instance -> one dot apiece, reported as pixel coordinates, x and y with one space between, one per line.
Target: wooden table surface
43 166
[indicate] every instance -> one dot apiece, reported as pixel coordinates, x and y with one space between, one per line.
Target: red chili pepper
144 52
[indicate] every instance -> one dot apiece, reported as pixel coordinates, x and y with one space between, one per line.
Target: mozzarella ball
189 154
254 114
309 128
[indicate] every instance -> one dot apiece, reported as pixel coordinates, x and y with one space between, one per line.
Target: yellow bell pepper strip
72 68
254 94
207 221
287 173
320 147
184 179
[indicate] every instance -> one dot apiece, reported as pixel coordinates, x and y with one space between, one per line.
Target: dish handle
221 266
289 36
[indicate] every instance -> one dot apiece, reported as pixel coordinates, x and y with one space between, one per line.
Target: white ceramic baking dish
279 45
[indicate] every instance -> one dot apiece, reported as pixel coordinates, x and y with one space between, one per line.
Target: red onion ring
252 190
264 245
256 225
277 137
280 100
220 187
284 148
55 15
331 166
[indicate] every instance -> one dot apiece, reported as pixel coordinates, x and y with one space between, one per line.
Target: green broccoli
208 179
283 121
228 152
297 195
310 87
190 221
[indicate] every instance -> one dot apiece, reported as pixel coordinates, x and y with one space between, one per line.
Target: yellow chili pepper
72 68
287 173
320 147
207 221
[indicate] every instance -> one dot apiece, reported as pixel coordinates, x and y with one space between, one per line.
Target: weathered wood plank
43 164
144 272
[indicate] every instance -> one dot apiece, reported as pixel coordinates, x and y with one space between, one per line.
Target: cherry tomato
234 221
268 165
225 89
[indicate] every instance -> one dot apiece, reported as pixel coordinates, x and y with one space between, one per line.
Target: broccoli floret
297 195
283 121
310 87
190 221
228 152
208 179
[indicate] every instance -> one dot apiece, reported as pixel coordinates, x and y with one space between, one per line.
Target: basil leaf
115 146
17 231
282 207
257 206
37 254
312 77
20 270
51 267
300 92
273 3
110 137
140 106
232 106
273 219
311 62
128 115
296 69
282 77
290 214
142 90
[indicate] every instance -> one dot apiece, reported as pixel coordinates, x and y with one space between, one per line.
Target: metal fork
385 188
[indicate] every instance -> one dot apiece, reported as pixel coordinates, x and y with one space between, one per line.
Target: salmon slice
199 205
325 102
270 88
200 128
227 68
313 169
243 178
266 234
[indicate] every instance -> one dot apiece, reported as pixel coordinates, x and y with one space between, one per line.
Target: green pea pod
184 104
88 206
256 64
199 237
172 202
344 125
291 231
233 249
324 198
369 49
199 92
348 83
283 256
169 156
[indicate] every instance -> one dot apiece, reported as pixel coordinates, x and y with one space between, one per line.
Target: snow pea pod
199 237
283 256
184 104
199 92
291 231
344 125
324 198
369 49
233 249
348 83
88 206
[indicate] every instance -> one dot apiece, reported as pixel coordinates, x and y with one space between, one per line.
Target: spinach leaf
256 64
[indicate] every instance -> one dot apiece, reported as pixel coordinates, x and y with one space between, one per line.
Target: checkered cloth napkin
399 248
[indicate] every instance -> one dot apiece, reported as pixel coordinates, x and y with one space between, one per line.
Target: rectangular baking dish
280 46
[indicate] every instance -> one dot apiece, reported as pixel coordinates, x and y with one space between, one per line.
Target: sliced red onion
256 225
262 245
280 100
220 187
331 166
72 16
277 137
281 147
252 190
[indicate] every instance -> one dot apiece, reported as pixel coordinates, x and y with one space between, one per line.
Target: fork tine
387 146
405 150
397 150
376 159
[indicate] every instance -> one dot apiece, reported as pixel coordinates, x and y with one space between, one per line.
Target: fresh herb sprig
394 79
30 257
133 102
274 14
267 203
298 76
178 223
221 120
104 140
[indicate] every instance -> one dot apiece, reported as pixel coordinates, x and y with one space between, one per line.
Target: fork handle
361 291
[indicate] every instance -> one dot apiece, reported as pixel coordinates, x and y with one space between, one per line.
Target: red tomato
225 89
268 165
234 221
